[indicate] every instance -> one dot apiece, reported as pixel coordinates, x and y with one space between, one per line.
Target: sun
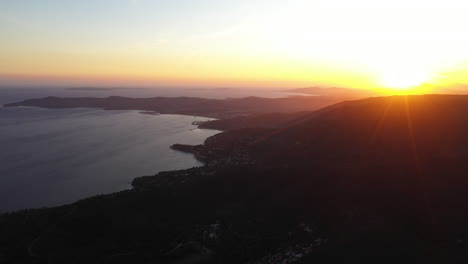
401 79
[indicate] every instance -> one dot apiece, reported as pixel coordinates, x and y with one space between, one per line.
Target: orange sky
353 43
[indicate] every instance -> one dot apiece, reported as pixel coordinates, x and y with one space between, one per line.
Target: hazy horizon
262 44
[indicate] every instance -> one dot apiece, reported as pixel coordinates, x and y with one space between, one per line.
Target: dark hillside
380 180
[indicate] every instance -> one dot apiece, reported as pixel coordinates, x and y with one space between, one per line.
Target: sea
55 157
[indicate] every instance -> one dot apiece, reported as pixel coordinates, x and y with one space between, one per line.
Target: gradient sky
251 43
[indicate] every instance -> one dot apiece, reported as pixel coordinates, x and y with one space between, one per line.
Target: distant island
149 113
97 89
333 91
214 108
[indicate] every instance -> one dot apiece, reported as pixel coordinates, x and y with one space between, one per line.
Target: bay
53 157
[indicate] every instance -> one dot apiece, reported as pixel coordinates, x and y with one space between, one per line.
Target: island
214 108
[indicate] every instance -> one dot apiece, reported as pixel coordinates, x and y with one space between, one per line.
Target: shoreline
126 180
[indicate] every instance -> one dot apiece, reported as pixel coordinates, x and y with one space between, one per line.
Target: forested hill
379 180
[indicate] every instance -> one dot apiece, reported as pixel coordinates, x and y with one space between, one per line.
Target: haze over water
53 157
14 94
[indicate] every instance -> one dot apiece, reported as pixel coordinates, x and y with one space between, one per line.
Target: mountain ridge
215 108
374 180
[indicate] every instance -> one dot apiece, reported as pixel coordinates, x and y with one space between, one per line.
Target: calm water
53 157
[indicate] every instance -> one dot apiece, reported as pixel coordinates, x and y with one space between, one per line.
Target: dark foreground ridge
380 180
216 108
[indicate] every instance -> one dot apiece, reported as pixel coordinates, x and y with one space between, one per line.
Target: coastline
141 147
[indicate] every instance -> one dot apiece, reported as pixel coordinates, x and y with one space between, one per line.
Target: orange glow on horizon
365 44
